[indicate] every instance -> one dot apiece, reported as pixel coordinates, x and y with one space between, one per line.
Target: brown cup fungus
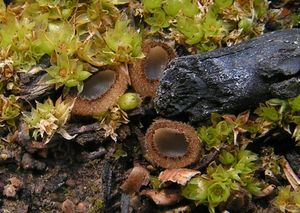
171 144
145 74
101 91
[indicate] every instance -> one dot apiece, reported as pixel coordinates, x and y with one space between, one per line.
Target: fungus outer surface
171 144
98 84
145 74
117 82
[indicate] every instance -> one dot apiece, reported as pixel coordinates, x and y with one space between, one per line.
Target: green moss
287 200
213 136
206 25
97 205
68 72
214 187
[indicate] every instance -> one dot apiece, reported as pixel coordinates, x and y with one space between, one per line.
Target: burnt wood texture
233 79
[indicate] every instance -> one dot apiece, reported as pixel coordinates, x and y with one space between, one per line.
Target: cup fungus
171 144
101 91
146 73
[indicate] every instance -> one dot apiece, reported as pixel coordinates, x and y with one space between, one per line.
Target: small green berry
129 101
66 13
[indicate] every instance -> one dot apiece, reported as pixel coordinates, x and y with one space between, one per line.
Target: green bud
151 4
172 7
226 158
268 113
71 83
196 190
66 13
245 24
224 128
82 75
223 3
190 7
209 136
295 103
129 101
217 192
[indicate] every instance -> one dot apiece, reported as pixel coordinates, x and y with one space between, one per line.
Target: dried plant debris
11 189
10 110
287 200
164 197
238 201
290 174
111 120
68 206
48 118
180 176
138 177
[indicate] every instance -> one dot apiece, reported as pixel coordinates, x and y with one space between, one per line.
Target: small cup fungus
171 144
101 91
145 74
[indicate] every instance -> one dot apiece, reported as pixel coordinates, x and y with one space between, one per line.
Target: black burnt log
233 79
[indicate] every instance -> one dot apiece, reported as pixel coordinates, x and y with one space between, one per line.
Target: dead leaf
9 191
164 197
17 183
290 174
180 176
138 176
68 206
180 209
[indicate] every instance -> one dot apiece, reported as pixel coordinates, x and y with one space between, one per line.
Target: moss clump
48 118
287 200
9 110
207 25
215 187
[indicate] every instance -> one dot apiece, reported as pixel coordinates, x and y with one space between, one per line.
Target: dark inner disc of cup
170 143
155 63
98 84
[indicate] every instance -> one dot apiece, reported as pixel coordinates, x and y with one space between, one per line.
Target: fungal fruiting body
145 74
101 91
171 144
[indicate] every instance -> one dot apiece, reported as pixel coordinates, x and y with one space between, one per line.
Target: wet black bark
230 80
